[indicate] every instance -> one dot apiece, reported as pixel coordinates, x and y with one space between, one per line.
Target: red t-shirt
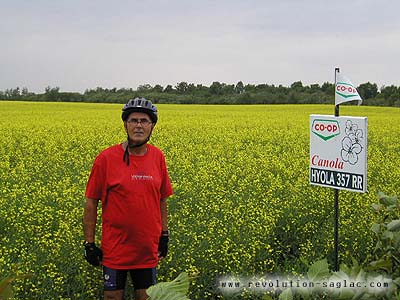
130 196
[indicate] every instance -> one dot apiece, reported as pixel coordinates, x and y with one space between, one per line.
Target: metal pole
336 232
336 206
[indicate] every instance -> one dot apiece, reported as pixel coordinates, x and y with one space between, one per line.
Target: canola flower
242 202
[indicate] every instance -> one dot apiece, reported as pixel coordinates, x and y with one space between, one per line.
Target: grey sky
84 44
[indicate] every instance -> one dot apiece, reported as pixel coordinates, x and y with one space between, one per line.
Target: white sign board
338 152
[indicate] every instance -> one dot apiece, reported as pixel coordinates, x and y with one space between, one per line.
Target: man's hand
163 246
93 254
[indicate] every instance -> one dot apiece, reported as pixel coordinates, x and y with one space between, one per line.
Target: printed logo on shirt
140 176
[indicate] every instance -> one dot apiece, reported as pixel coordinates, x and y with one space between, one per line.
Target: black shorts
116 279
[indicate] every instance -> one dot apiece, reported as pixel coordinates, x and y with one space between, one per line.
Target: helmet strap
132 145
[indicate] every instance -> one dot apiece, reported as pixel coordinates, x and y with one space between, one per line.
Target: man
132 182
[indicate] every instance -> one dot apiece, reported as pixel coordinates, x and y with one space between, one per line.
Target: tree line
216 93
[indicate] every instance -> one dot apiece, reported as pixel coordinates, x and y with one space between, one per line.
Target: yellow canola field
242 202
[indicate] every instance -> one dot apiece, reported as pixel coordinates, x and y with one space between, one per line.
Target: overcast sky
80 44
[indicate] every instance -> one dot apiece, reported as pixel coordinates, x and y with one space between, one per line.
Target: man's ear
126 127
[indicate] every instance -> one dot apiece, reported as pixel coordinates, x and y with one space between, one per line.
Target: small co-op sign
338 152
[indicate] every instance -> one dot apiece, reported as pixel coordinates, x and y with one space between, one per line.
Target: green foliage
318 270
176 289
350 283
368 90
386 255
384 269
6 289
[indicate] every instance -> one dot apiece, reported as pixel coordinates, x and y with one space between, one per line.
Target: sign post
338 151
336 205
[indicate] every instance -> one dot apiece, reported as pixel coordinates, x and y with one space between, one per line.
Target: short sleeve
96 181
166 187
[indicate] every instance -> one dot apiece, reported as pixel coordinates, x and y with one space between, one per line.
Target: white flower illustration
350 151
356 137
350 127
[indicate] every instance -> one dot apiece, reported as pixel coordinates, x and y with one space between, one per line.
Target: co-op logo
346 90
325 129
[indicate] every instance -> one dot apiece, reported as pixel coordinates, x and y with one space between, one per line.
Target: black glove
93 254
163 246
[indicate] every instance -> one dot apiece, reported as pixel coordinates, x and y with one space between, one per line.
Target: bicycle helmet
140 105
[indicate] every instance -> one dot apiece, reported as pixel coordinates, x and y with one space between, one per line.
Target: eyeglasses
135 122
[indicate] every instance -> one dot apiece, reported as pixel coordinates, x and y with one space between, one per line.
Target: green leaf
356 269
306 293
397 281
381 264
394 225
377 207
5 283
376 228
378 246
359 295
344 268
386 200
339 275
387 235
176 289
318 270
287 294
7 292
381 195
360 276
396 240
345 294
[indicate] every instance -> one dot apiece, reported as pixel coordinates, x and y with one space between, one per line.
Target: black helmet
140 105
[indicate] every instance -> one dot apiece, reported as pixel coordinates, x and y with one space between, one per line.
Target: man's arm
164 214
93 254
90 219
164 238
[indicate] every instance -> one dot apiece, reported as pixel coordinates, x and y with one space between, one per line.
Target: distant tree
239 87
391 94
249 88
144 88
368 90
24 91
228 89
51 94
124 90
216 88
182 87
282 89
315 88
297 85
264 87
13 94
7 94
293 97
168 89
158 88
191 88
328 87
201 88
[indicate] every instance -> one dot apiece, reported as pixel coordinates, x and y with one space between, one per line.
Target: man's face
138 126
